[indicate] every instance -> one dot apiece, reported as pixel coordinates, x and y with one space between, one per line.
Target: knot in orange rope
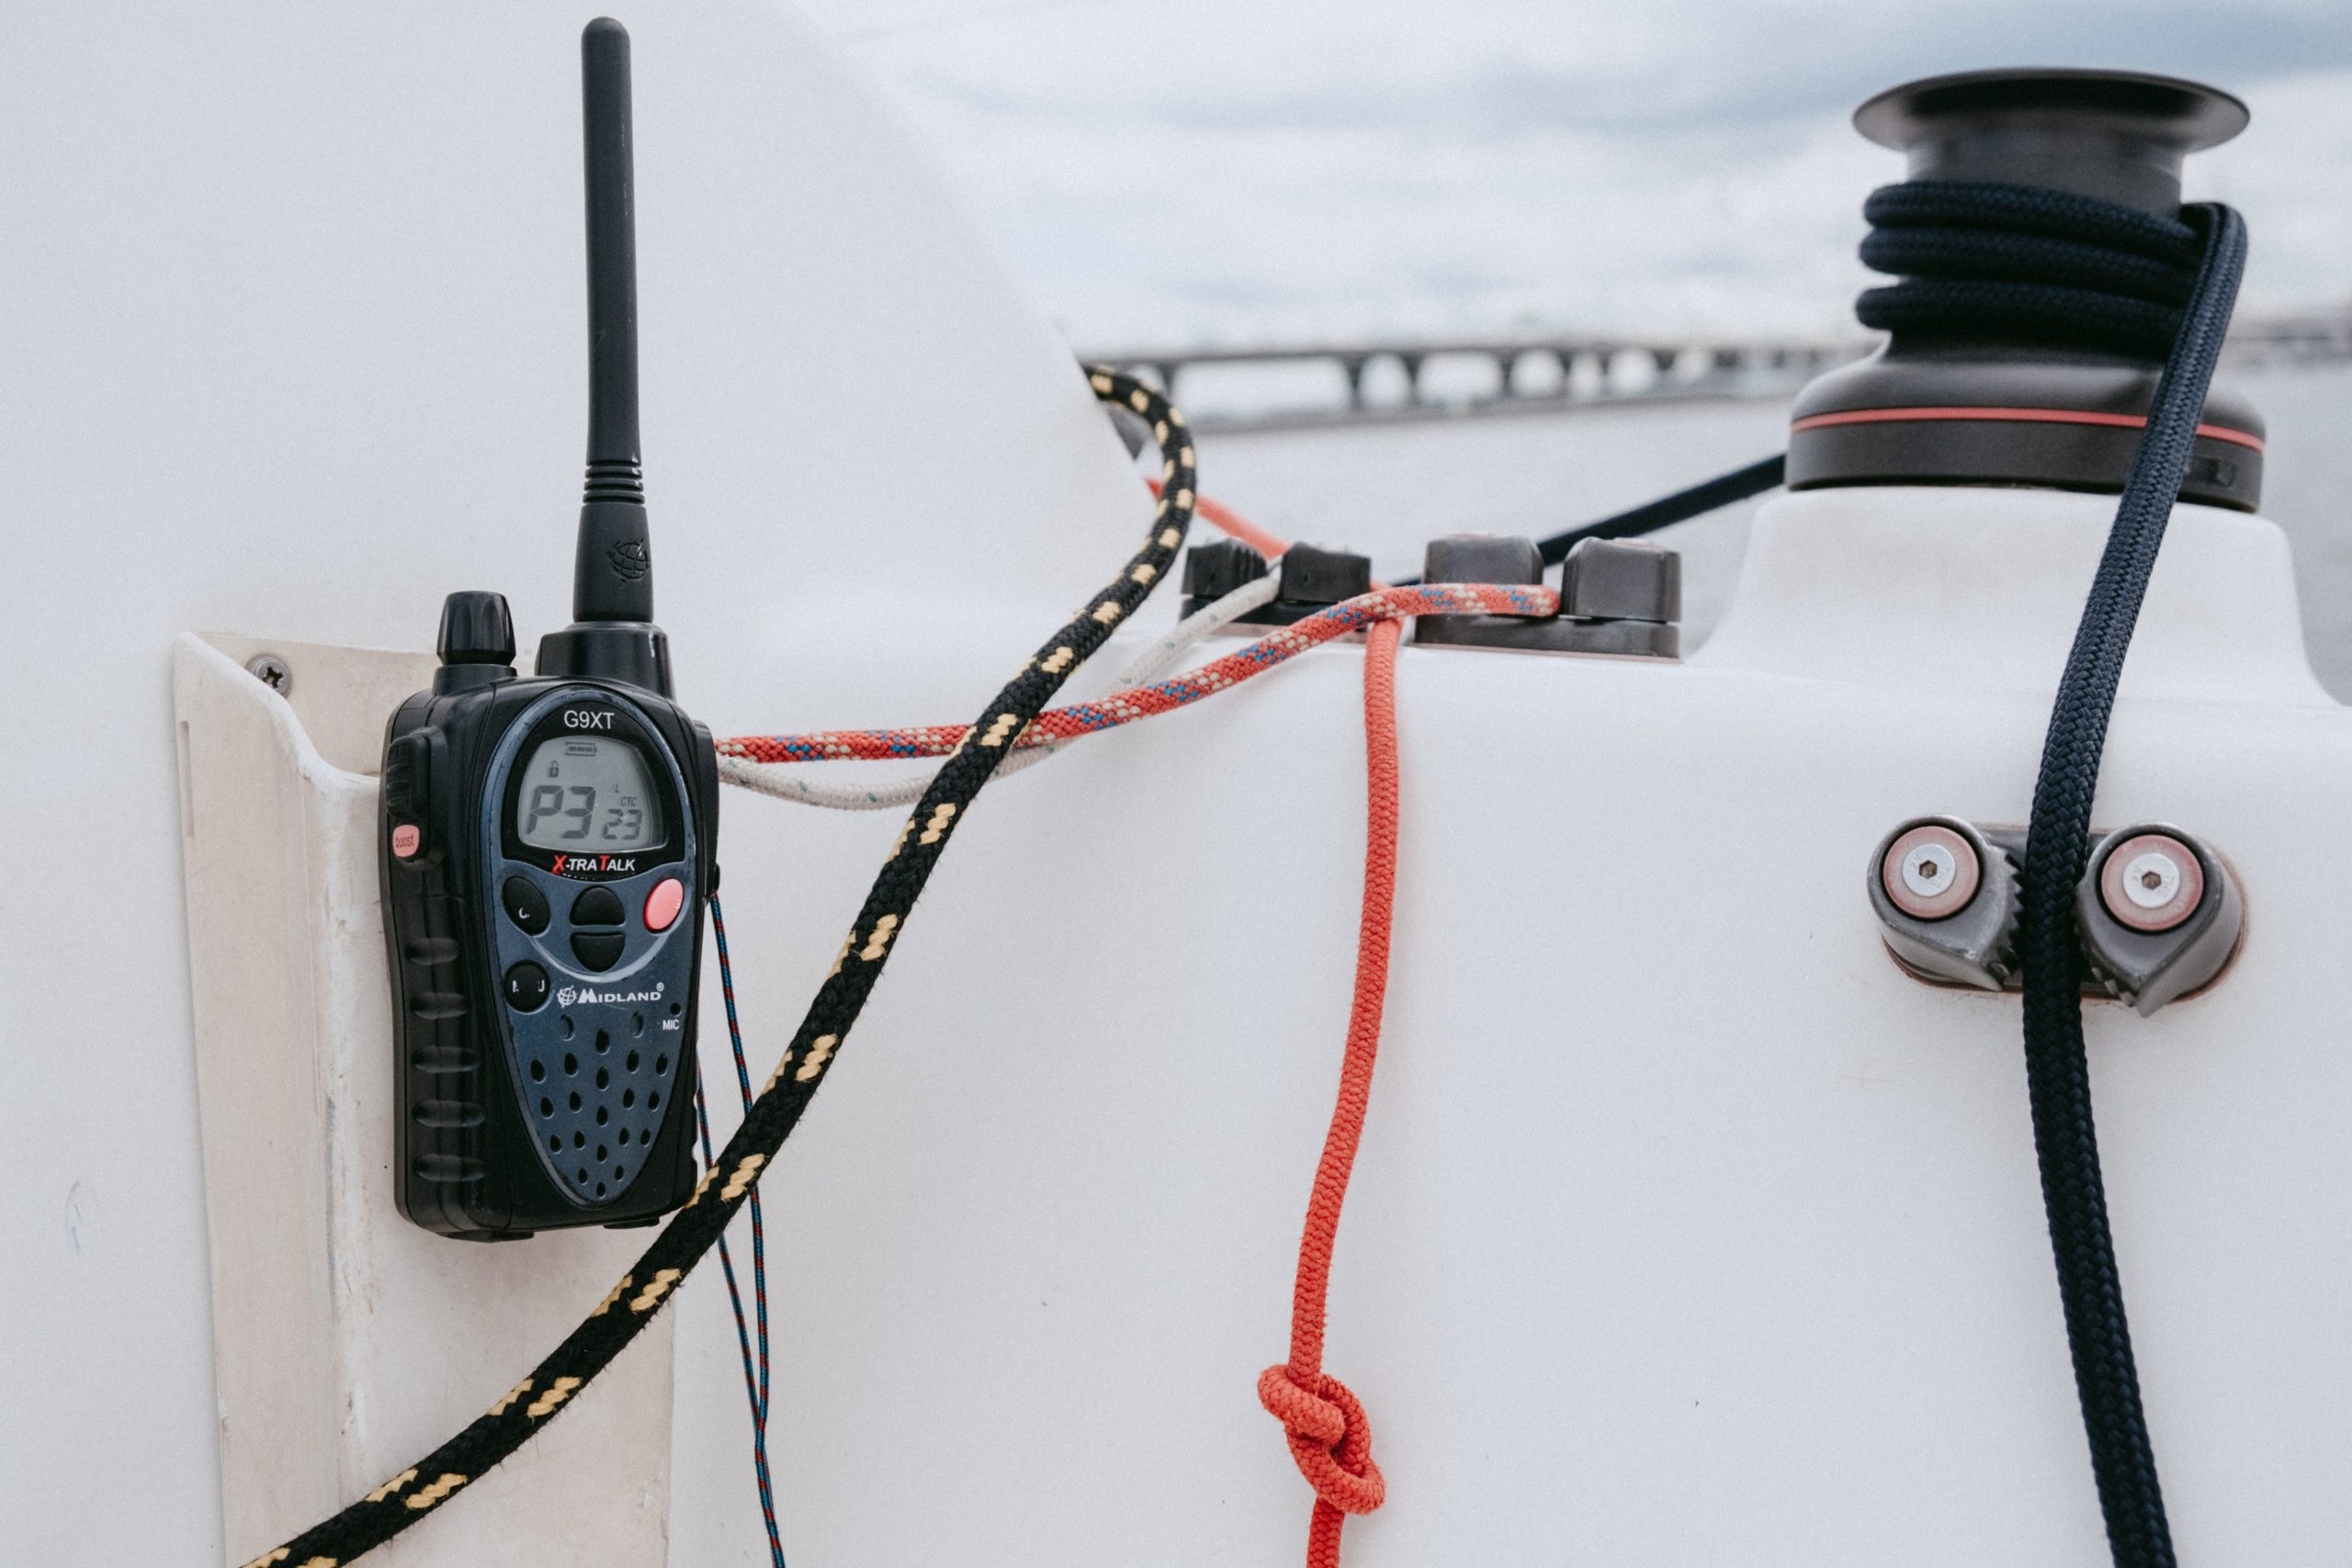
1331 1438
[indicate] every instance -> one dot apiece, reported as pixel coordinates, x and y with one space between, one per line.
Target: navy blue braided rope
2006 263
2065 1138
1680 506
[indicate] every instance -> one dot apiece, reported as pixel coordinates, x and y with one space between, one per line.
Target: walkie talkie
548 841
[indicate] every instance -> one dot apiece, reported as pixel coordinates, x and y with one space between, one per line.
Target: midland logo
588 865
569 995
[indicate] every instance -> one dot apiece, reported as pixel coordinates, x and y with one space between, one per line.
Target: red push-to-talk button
405 839
662 905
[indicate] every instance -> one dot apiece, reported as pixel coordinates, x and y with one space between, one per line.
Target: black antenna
614 576
612 637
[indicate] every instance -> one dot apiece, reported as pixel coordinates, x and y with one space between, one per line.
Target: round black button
598 906
527 987
526 904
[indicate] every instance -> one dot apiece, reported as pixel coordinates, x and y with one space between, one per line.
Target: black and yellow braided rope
588 1350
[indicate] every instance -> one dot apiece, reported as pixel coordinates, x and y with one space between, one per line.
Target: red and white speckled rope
1163 696
1166 653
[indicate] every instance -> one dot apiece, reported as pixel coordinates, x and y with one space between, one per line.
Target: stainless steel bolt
271 671
2151 882
1931 871
1928 870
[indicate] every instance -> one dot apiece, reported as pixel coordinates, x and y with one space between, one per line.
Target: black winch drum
1997 406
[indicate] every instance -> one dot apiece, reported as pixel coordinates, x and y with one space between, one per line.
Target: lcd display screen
588 793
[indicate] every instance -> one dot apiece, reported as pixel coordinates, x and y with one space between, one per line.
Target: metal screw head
2151 882
271 671
1931 871
1928 869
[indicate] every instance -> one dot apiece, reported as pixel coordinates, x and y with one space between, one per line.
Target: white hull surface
294 347
1687 1229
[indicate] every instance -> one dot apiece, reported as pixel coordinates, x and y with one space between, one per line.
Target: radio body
548 841
548 845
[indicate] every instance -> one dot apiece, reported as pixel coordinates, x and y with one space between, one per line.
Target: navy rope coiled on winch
2009 263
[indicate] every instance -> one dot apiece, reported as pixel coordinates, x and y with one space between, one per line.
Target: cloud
1223 170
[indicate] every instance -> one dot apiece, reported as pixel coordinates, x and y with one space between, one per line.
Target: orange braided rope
1323 1421
1330 1438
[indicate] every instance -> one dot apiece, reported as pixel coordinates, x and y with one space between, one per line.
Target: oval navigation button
598 951
526 904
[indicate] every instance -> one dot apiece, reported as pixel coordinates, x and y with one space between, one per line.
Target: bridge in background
1314 385
1309 385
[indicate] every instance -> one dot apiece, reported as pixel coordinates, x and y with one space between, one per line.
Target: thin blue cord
755 1386
727 1265
759 1220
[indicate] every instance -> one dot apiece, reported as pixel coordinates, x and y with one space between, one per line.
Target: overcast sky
1242 171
